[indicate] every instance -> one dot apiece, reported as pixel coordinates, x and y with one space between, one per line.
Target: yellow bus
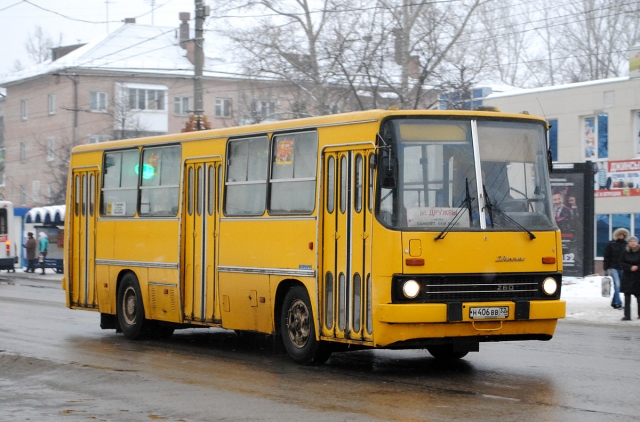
376 229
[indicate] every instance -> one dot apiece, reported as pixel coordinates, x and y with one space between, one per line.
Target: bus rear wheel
298 329
130 309
446 352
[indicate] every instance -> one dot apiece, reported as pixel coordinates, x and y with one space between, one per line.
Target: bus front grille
472 288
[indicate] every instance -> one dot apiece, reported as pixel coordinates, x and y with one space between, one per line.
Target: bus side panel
246 302
250 250
268 243
145 241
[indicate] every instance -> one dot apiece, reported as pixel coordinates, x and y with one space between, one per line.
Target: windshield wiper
491 208
468 200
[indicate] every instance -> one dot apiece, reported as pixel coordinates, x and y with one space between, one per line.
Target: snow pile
585 302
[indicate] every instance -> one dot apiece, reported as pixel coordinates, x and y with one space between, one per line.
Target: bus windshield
463 173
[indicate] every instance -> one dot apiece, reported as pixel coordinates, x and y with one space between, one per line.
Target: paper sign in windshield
436 217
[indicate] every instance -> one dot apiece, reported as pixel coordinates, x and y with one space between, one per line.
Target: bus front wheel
446 352
298 329
130 309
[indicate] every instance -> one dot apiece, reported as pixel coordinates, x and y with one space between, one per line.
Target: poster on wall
589 138
572 196
617 179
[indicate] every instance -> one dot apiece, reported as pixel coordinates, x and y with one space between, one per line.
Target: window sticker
284 152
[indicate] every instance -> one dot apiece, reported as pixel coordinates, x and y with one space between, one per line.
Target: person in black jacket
630 285
612 254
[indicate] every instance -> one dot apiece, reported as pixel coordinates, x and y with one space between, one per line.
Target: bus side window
120 183
293 173
246 185
160 181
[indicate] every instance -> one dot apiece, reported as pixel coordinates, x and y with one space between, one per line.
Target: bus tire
445 352
298 329
130 309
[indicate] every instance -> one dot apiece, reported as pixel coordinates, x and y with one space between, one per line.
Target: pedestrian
612 254
30 247
44 245
630 285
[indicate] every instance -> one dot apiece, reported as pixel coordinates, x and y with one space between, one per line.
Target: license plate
488 312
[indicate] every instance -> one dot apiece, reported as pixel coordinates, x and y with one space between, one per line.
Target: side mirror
549 160
389 169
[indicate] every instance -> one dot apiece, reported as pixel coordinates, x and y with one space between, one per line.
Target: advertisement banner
573 205
617 178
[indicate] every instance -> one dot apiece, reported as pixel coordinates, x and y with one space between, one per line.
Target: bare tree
286 45
38 45
355 53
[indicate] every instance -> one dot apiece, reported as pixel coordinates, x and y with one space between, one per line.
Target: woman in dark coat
630 285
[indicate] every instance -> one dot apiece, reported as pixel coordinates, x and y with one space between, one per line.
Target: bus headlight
549 286
411 288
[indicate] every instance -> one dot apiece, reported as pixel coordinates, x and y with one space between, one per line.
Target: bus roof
304 123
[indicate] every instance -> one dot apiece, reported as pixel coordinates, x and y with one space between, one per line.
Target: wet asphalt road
57 365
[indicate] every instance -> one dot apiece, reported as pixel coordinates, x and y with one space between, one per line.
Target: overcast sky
78 21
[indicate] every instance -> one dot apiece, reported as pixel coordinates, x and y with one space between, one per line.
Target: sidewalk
585 303
49 275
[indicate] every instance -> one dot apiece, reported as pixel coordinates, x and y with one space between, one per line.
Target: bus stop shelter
48 220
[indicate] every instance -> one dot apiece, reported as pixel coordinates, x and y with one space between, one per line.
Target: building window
181 106
94 139
299 110
263 110
23 152
553 138
223 107
146 99
24 109
606 224
51 148
35 191
50 190
331 109
97 101
52 104
23 194
596 137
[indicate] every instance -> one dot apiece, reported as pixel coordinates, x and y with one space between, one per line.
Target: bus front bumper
419 324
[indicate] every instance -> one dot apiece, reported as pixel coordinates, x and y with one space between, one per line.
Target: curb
49 275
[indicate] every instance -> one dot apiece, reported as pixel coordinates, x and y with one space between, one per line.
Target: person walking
612 254
30 247
44 245
630 285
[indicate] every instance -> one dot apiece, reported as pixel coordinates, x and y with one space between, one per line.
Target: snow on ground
586 304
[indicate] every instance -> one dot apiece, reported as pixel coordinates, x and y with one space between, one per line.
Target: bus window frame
271 181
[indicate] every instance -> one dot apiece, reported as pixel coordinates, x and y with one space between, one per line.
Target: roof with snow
51 214
132 48
520 91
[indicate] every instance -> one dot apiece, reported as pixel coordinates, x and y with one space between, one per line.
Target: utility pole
202 11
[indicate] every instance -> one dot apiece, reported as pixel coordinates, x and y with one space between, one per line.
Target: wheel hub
298 324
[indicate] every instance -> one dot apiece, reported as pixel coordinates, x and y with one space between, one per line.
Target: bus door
82 248
346 261
200 223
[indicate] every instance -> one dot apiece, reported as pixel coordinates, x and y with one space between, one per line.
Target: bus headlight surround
410 289
549 286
